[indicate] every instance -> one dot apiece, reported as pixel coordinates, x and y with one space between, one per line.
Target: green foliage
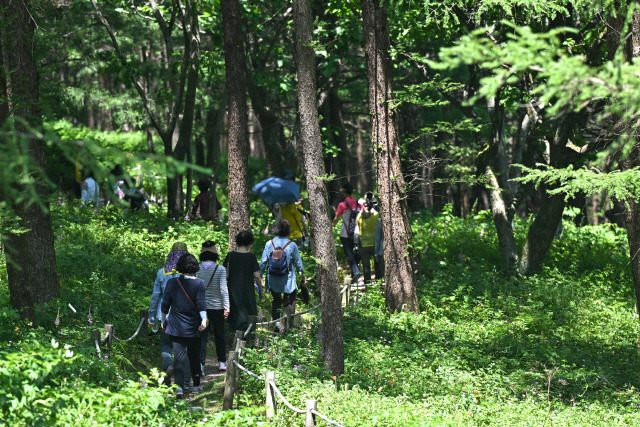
621 184
486 348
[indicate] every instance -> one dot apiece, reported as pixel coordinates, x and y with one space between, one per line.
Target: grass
559 348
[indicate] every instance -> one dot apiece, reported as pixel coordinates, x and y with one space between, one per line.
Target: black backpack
351 224
278 263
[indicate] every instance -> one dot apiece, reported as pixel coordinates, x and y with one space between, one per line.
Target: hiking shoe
222 366
197 389
169 372
179 393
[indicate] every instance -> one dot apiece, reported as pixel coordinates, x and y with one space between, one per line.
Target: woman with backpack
281 259
216 296
348 211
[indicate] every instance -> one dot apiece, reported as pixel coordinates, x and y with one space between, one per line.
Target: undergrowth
560 347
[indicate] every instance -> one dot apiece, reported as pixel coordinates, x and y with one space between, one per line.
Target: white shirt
90 192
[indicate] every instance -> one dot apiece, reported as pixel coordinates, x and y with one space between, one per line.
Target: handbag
304 294
194 305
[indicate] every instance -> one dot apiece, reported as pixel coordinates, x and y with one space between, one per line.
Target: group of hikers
195 296
191 298
361 234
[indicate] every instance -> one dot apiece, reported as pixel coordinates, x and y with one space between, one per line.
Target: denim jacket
282 284
160 283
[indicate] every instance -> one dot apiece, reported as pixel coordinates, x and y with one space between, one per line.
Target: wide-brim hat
179 247
213 249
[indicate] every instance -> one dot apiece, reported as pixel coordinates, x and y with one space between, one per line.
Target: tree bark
400 287
632 50
545 225
213 130
31 265
502 222
325 249
238 138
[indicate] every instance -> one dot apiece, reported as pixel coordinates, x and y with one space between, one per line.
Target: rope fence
109 335
232 375
273 393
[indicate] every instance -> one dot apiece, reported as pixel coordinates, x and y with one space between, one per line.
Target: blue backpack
278 263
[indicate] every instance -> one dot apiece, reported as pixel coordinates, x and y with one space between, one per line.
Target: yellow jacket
366 227
290 212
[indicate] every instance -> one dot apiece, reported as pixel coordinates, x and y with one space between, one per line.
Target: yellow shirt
290 212
367 228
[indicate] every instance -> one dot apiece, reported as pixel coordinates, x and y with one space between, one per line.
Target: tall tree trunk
267 111
502 222
325 249
331 122
500 189
632 50
239 218
400 289
213 131
31 264
183 145
545 225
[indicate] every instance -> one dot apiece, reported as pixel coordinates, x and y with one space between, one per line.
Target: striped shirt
216 293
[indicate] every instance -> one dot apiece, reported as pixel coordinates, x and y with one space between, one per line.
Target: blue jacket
158 291
282 284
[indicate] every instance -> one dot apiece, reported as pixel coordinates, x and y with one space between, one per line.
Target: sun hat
179 246
210 246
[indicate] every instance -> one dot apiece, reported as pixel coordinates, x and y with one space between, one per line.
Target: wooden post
347 292
95 335
239 336
239 346
287 317
297 321
271 394
230 381
144 313
310 419
108 329
253 320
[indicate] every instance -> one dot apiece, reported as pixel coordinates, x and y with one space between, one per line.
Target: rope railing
98 349
272 322
245 370
327 420
272 390
109 335
135 334
286 402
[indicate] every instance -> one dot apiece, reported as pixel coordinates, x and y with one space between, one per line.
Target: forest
497 137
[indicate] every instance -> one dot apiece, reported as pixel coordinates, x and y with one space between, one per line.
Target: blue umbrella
277 190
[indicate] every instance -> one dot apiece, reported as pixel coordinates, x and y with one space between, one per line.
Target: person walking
348 211
293 213
89 192
159 285
243 274
280 260
202 202
217 298
365 235
185 297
